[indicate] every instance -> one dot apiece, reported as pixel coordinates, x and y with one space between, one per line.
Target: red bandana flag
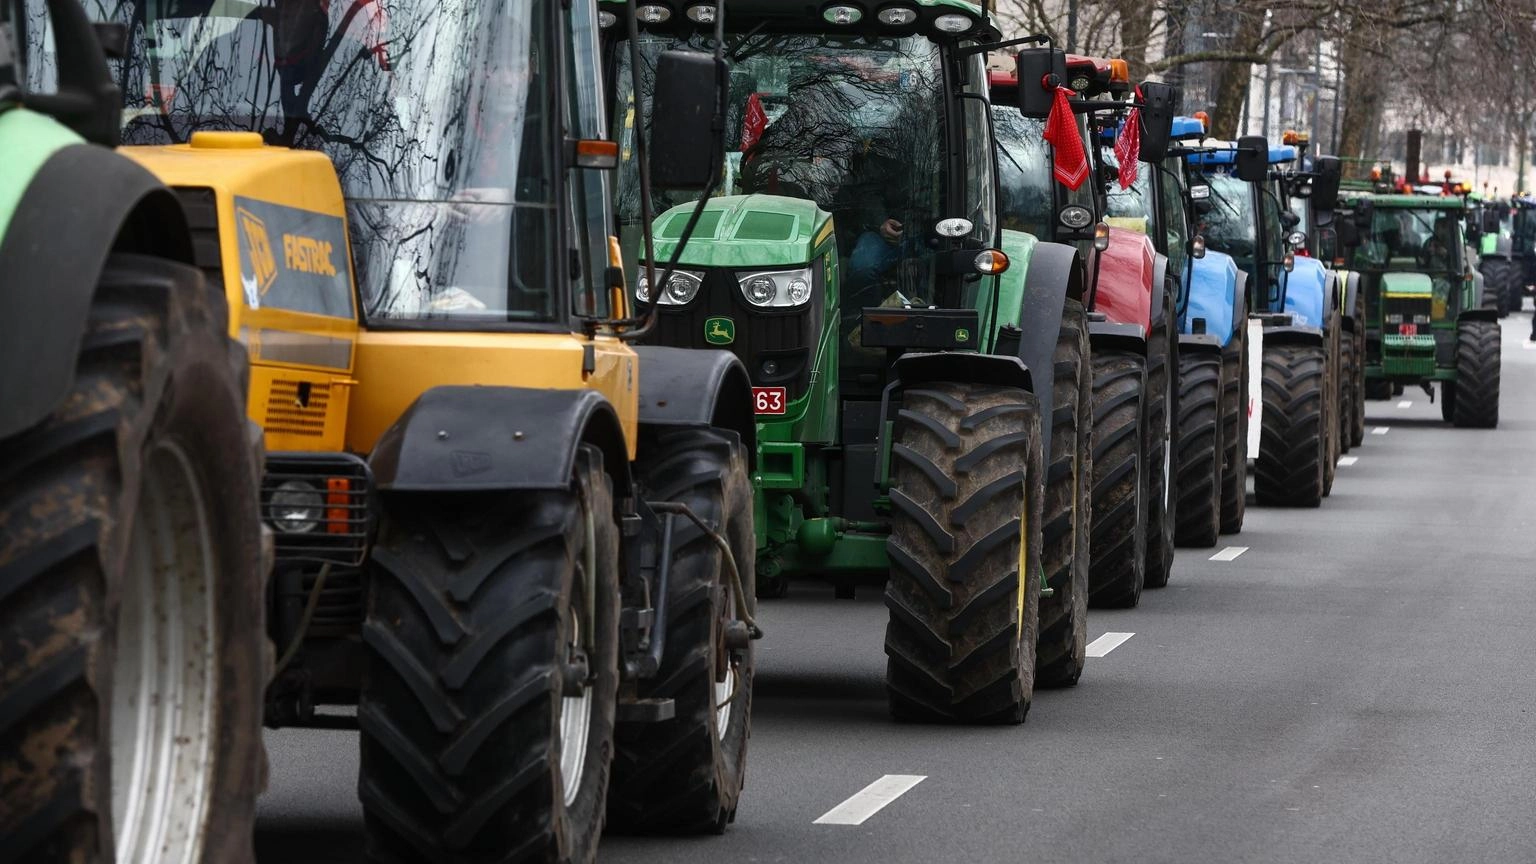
1128 148
1062 134
753 124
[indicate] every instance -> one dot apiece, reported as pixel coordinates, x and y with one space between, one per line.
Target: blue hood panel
1306 292
1212 294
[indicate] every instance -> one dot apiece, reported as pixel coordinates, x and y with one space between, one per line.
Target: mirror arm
973 50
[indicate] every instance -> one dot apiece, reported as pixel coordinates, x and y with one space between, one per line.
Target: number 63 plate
769 400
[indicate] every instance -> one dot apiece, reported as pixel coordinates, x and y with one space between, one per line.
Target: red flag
753 123
1062 134
1128 148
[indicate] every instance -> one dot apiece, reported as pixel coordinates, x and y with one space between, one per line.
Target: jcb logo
258 247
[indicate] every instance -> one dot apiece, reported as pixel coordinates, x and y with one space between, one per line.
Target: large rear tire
1501 291
685 775
1118 558
1161 431
1331 404
1476 399
1346 391
1200 448
487 706
133 651
964 588
1064 615
1234 434
1289 470
1357 380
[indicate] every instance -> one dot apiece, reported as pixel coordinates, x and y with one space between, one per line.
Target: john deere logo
962 335
719 331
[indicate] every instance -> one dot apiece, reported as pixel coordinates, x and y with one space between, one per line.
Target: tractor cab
1247 216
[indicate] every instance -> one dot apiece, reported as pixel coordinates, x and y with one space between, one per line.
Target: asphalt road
1355 685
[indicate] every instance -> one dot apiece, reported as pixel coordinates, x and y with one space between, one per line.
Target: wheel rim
163 669
576 711
725 694
1168 450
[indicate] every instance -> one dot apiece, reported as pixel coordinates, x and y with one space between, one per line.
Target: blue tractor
1293 320
1208 464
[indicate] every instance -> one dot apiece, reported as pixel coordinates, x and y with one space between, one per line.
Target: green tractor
133 653
1506 245
1426 318
920 374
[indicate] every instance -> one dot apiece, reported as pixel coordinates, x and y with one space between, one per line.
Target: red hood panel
1124 292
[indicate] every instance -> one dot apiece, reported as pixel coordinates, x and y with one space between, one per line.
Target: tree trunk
1135 33
1363 103
1232 81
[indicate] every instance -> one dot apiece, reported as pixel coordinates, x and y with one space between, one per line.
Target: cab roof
1411 202
1226 154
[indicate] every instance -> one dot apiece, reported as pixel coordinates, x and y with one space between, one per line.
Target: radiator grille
297 408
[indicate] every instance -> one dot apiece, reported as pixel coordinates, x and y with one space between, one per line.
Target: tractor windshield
436 114
1230 225
1424 240
856 124
1026 185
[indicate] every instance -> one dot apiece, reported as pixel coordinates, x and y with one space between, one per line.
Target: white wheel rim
725 694
576 711
163 670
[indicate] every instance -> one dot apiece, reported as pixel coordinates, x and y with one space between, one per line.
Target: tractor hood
1411 284
745 231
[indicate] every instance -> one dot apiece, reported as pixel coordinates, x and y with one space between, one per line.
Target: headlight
953 23
777 288
296 507
681 288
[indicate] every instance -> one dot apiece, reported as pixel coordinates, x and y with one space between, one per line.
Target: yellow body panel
395 367
301 363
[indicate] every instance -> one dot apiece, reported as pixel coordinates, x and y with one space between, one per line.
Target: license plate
1408 329
769 400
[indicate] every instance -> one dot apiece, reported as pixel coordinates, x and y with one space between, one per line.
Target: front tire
1119 552
1200 448
1289 470
964 587
1476 398
1161 442
1234 434
684 776
1346 391
133 650
487 706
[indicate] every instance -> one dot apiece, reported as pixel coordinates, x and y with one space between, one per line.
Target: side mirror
1252 159
1348 233
1041 71
1490 220
88 100
1325 186
1156 120
686 147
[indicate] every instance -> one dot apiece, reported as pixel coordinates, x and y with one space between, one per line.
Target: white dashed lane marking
1348 460
1229 553
870 800
1406 403
1107 643
1381 430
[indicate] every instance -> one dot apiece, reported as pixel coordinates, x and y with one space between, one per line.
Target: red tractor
1046 110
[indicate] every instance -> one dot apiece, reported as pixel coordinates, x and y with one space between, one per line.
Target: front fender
1054 275
497 439
83 203
1159 289
1351 283
690 387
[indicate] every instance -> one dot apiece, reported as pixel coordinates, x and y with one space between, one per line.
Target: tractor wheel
1234 435
685 775
1161 430
1346 391
964 587
1447 401
1331 404
1118 558
1064 616
1378 389
1476 401
1357 377
133 652
487 706
1501 280
1200 452
1289 469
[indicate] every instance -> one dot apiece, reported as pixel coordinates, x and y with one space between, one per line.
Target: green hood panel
745 231
1407 283
27 139
1019 247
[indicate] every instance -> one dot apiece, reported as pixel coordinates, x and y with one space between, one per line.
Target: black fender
496 439
83 204
1240 304
1112 335
1159 287
1478 315
1055 274
1287 334
1352 294
1199 342
690 387
962 367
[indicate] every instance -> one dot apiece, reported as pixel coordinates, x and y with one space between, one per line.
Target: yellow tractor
518 544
